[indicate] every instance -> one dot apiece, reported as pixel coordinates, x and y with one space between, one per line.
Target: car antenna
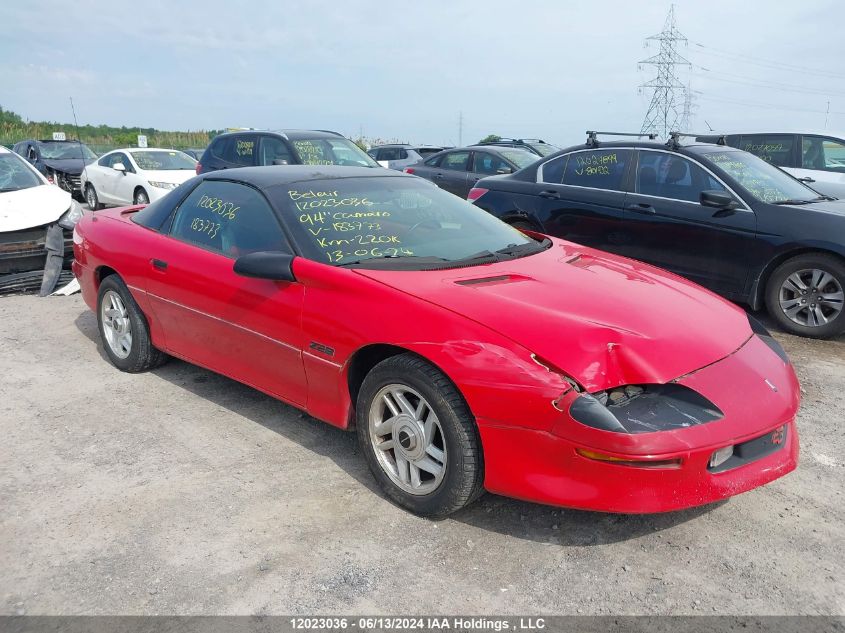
79 140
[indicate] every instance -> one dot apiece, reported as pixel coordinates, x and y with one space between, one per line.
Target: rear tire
124 330
419 437
805 295
91 198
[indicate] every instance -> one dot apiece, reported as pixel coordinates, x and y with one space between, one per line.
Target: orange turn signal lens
644 462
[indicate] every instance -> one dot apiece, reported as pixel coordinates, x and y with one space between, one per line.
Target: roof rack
674 143
507 139
592 141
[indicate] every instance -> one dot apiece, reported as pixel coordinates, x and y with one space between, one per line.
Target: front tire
141 197
91 198
419 437
124 330
805 295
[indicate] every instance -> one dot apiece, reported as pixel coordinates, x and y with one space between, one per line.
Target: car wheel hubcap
117 327
91 198
141 198
811 297
407 438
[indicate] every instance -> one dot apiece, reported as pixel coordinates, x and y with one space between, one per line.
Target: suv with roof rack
535 145
718 215
248 148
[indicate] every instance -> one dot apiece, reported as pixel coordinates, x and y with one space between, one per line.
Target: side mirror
274 265
717 199
504 170
119 167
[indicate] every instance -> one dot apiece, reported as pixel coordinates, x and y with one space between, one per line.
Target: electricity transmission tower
669 96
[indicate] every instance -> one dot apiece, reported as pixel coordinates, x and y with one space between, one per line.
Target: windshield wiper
422 258
791 201
829 198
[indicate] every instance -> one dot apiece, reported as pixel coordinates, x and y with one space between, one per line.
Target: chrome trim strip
325 360
240 327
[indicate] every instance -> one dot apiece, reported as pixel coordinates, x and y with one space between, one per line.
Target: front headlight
71 216
163 185
644 409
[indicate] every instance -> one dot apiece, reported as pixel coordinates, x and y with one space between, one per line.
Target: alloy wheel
408 439
811 297
117 327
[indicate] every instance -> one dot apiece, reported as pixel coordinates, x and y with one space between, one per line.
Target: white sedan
135 176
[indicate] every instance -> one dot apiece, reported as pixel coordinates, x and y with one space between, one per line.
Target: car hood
603 320
72 166
175 176
35 206
834 207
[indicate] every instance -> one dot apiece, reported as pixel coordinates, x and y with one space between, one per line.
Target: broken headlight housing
71 216
644 409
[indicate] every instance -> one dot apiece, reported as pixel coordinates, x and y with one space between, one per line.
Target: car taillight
408 170
198 169
475 193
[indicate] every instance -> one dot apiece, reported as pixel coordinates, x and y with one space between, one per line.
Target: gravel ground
182 492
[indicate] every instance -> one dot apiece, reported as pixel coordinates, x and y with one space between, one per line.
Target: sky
410 71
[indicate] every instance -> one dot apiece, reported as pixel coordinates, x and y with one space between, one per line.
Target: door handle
641 207
549 194
158 263
438 176
806 179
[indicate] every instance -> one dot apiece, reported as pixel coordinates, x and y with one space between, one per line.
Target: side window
774 149
274 151
402 153
485 163
553 170
123 158
434 161
598 169
239 149
106 160
388 153
456 161
228 218
671 176
822 153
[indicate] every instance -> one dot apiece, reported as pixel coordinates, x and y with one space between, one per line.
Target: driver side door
665 224
245 328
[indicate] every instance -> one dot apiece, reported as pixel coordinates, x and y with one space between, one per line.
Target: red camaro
467 355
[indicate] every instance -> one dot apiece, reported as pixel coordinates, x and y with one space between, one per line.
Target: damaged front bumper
34 258
575 465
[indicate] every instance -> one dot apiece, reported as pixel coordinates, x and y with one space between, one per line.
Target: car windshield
544 148
164 160
332 151
765 182
15 174
54 150
405 223
519 157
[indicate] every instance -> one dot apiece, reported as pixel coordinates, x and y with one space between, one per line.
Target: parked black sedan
457 170
720 216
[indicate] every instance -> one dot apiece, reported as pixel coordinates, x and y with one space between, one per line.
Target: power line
767 106
767 63
769 85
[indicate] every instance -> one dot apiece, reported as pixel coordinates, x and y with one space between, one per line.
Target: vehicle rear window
597 169
238 150
774 149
